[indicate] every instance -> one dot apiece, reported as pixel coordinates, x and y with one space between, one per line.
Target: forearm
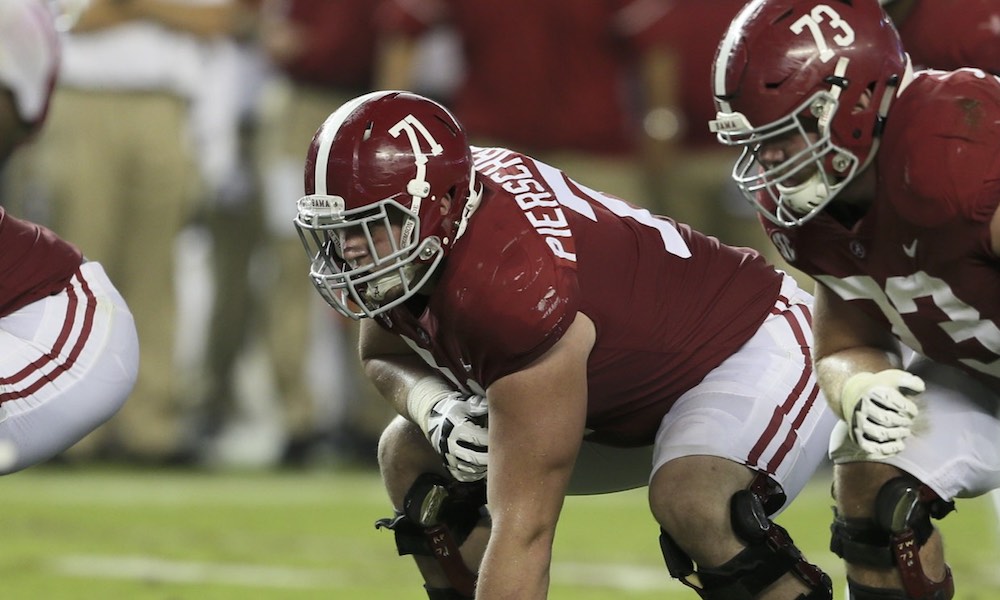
515 569
532 455
847 342
394 376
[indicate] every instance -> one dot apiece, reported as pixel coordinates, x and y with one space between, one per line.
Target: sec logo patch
784 246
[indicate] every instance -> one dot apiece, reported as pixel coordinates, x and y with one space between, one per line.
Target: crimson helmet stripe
732 37
328 132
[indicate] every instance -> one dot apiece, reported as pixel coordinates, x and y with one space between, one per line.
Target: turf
111 532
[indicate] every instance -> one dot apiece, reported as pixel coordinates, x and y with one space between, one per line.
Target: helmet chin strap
377 290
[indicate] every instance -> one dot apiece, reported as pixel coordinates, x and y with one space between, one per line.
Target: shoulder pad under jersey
506 294
938 154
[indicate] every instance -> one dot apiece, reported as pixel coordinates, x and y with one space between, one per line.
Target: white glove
878 410
454 423
457 428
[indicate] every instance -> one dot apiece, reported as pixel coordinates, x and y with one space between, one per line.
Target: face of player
377 246
777 151
358 251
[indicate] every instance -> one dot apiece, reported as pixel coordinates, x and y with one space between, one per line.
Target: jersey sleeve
520 305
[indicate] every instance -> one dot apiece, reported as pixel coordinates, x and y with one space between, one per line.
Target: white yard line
147 568
615 576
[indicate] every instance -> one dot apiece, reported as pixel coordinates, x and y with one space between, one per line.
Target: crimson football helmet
384 159
826 70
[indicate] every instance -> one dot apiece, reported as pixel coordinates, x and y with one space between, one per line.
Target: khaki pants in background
292 116
117 173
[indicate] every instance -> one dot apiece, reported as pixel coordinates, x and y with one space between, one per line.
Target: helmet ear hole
418 188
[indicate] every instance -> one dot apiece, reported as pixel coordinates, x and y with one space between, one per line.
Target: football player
882 184
950 35
541 338
68 345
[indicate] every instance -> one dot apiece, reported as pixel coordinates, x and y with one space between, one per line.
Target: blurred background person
571 90
235 418
138 134
68 348
693 167
685 157
616 92
309 56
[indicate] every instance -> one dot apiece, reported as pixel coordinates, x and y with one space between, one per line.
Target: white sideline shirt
29 55
136 56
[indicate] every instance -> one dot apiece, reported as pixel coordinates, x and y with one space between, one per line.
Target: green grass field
115 533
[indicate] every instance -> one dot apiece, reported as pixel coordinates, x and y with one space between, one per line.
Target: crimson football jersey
920 260
34 263
669 304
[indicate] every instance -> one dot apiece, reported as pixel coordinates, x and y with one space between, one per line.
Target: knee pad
769 553
434 501
893 538
437 517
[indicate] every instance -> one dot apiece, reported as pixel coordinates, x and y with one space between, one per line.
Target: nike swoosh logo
910 249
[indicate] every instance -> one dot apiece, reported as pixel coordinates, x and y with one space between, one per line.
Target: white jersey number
672 240
899 298
470 386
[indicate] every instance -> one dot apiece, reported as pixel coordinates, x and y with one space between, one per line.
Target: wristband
850 393
422 397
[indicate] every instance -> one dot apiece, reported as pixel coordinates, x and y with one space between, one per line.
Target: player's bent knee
403 448
769 554
892 540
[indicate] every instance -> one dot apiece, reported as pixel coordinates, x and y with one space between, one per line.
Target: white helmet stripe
726 48
328 131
